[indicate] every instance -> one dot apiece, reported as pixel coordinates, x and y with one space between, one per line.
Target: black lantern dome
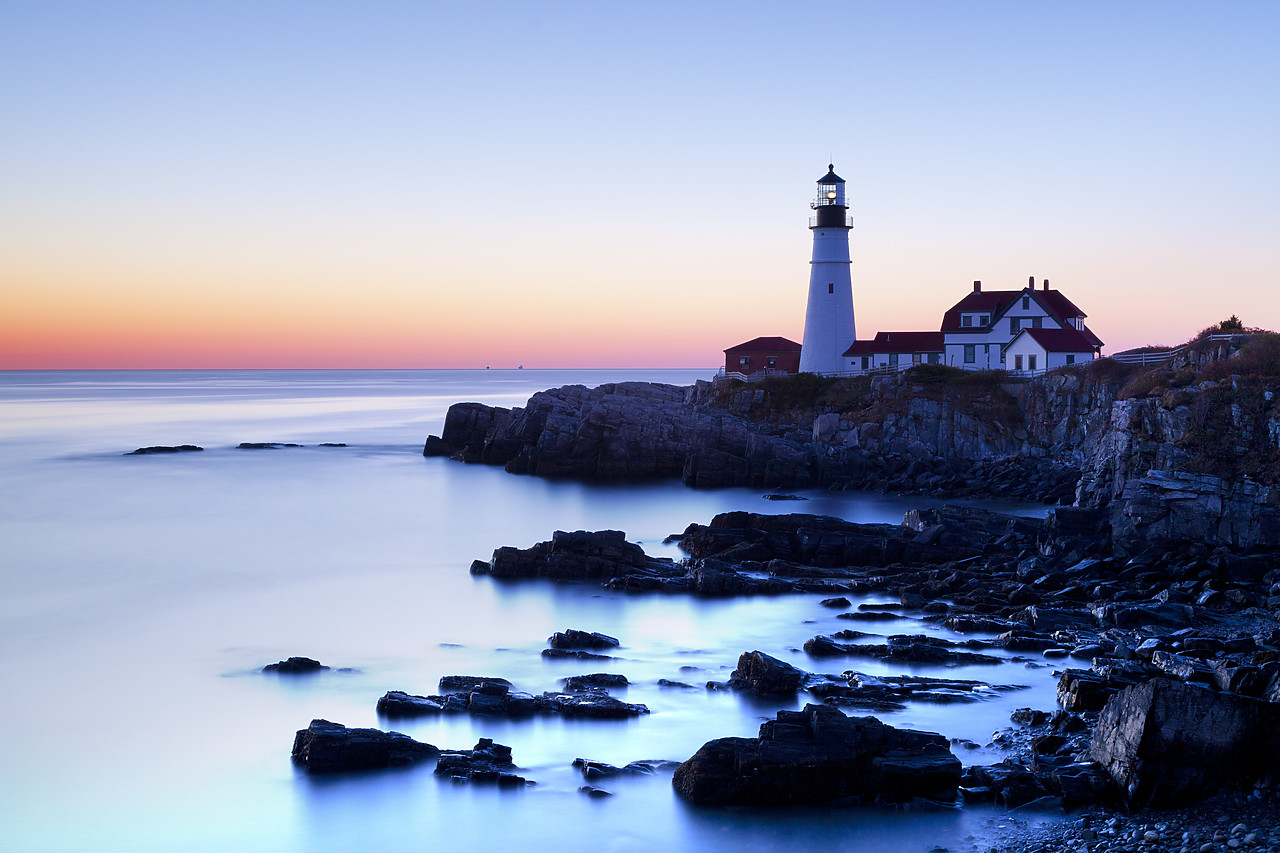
830 203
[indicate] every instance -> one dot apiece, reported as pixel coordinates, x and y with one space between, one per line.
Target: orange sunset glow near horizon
313 186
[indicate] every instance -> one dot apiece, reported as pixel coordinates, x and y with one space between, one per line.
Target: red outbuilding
763 355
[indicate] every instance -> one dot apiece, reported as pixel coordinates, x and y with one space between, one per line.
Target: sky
450 185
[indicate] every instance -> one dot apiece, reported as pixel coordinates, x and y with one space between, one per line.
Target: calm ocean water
142 595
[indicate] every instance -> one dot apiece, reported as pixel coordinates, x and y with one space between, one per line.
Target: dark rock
397 703
835 602
498 700
581 555
487 762
451 683
766 675
177 448
325 747
264 445
1029 717
1168 744
295 666
575 639
819 755
595 681
593 792
577 654
917 649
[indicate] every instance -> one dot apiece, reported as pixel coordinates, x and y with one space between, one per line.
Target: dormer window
966 320
984 320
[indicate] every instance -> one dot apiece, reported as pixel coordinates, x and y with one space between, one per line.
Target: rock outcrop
1168 744
325 747
1190 453
819 755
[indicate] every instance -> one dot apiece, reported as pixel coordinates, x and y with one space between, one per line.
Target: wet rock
575 639
818 755
900 649
576 654
295 666
580 555
486 762
451 683
497 700
766 675
594 681
325 747
1167 744
156 449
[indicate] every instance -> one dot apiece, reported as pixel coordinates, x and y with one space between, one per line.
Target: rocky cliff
1188 453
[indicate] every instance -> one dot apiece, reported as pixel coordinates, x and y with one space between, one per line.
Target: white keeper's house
1022 331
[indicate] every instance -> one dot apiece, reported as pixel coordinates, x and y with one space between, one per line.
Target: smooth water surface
143 594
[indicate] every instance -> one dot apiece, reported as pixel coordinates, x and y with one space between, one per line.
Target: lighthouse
828 318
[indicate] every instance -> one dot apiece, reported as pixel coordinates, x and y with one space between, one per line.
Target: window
1071 358
1035 322
1031 362
893 360
746 359
1017 362
831 288
915 358
1013 325
970 353
984 320
771 362
966 320
1026 303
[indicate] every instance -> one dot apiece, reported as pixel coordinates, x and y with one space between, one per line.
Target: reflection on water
142 594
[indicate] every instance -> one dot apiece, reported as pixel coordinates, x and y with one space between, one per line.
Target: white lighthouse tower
828 319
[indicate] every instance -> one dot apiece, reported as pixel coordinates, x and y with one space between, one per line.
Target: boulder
485 762
575 639
325 747
295 666
1167 744
819 755
594 681
453 683
766 675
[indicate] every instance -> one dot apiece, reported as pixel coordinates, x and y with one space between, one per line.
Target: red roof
898 342
860 348
1062 340
766 345
990 302
996 302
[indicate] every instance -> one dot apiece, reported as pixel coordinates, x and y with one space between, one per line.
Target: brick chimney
1031 282
977 287
1046 284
